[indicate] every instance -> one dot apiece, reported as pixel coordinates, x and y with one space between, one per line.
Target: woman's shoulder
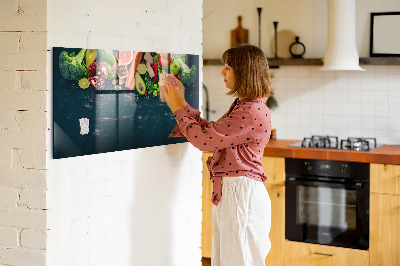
259 109
256 103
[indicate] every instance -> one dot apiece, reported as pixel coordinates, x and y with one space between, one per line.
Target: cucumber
107 57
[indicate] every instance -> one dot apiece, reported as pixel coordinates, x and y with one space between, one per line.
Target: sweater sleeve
193 113
231 130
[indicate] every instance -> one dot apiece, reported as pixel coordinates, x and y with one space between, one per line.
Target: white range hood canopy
341 51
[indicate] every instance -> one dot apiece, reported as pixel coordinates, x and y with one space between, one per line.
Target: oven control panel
338 169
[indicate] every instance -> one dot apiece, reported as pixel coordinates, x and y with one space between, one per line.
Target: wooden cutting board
239 35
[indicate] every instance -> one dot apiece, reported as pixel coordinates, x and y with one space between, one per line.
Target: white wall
311 102
135 207
304 18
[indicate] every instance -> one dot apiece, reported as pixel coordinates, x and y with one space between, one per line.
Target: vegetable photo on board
110 100
120 70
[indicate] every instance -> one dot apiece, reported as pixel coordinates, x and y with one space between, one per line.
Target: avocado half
91 55
139 83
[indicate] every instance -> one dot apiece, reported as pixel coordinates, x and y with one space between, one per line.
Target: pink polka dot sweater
238 139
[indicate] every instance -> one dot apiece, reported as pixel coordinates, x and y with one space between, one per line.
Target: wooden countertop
389 154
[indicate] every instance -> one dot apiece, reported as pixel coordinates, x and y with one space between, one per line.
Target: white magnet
84 123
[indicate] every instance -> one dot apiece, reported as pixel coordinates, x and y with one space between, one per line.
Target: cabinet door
385 178
274 168
277 233
384 229
206 232
305 254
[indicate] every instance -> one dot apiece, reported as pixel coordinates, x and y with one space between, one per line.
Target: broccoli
72 67
189 77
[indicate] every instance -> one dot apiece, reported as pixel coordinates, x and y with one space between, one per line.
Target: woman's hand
181 91
173 94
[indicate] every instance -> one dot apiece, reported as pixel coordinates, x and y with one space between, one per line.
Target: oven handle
357 185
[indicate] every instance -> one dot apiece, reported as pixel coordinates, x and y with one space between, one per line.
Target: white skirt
241 223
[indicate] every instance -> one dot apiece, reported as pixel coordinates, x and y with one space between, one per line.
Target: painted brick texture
23 218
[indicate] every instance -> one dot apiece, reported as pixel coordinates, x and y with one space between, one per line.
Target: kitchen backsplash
314 102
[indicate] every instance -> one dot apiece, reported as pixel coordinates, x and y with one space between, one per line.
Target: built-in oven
327 202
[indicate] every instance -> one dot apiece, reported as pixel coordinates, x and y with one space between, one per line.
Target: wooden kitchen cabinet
206 225
384 236
277 233
305 254
274 168
385 178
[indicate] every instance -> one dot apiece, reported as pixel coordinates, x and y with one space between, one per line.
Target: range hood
341 51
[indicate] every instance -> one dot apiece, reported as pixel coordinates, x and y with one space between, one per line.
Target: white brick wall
23 132
33 239
100 207
135 207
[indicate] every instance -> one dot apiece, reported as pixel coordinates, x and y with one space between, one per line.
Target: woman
242 208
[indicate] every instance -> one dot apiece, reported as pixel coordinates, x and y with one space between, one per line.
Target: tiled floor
206 261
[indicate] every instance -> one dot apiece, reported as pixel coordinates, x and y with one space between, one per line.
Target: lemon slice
84 83
141 69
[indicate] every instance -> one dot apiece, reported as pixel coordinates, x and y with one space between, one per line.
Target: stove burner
332 142
358 144
328 142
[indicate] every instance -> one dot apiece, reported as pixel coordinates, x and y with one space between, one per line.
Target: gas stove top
332 142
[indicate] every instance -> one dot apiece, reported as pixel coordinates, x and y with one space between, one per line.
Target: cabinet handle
325 254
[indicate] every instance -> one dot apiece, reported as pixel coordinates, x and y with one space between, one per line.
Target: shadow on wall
152 213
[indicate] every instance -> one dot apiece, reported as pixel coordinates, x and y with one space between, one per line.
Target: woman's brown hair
250 66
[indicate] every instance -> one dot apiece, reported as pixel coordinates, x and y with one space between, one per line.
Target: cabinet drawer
305 254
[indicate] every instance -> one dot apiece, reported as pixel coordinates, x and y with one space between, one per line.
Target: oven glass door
326 207
326 213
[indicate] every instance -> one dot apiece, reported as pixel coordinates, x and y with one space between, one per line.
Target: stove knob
343 168
308 166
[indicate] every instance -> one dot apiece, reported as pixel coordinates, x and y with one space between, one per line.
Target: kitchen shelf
380 61
274 63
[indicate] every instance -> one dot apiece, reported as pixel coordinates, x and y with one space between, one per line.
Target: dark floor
206 261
